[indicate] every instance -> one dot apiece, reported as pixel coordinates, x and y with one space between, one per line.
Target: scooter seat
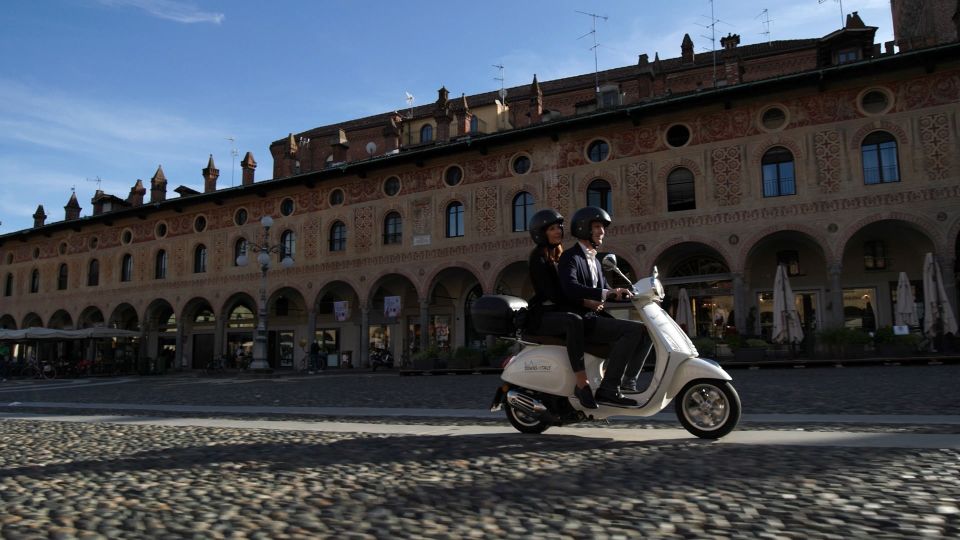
601 350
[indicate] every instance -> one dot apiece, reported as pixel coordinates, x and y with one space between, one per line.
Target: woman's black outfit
548 313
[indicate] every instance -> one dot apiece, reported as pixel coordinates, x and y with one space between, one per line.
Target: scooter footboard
696 368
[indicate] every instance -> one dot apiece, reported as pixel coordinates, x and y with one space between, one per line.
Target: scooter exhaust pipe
525 403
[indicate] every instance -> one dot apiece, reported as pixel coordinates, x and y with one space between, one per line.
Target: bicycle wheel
48 370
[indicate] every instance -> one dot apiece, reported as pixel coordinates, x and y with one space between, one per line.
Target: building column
740 304
181 362
948 271
219 336
364 348
311 337
834 296
424 323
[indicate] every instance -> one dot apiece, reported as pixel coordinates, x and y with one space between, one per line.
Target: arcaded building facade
834 156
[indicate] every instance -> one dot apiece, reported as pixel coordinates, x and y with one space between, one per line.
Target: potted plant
889 344
705 346
748 350
425 358
842 342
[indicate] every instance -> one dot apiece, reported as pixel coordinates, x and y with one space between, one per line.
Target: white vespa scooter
538 381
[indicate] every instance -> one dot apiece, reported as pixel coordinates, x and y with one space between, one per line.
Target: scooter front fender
696 368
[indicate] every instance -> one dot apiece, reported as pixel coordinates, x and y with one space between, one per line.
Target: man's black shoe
611 397
629 389
585 395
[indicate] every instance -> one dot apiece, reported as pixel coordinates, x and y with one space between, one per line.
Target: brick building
835 156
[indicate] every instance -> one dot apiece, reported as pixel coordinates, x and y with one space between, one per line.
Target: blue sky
111 89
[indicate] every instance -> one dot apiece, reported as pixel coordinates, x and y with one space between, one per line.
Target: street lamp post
263 251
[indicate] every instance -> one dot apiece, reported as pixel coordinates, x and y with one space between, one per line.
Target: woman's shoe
585 395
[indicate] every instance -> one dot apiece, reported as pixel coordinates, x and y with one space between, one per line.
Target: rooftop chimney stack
72 208
210 175
249 166
39 217
136 194
158 186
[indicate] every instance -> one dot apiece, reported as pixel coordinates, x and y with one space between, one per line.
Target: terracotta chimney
210 175
464 117
136 194
72 209
536 101
339 146
158 186
391 132
686 49
442 115
249 166
39 217
730 42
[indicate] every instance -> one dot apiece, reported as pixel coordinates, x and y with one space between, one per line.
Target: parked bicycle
217 364
41 369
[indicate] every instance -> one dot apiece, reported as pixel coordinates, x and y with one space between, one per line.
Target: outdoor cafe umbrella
906 310
685 314
786 320
938 316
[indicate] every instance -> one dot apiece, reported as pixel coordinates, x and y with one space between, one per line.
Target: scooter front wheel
524 422
708 408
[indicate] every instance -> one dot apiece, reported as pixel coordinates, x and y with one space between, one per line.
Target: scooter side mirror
609 262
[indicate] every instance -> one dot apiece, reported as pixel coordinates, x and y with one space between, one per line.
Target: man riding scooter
584 284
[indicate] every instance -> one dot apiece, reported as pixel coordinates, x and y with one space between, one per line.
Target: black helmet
539 224
584 217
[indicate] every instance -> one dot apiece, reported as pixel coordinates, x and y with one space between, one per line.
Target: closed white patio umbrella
786 320
906 309
685 314
938 316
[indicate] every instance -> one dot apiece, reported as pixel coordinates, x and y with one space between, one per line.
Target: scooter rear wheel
524 422
708 408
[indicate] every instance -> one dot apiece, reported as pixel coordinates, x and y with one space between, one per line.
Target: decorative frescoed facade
826 155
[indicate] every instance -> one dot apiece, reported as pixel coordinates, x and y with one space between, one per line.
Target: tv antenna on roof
766 23
233 154
713 39
842 22
410 100
97 180
593 32
503 91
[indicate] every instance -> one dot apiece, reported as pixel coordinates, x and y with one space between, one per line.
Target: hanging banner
391 306
341 310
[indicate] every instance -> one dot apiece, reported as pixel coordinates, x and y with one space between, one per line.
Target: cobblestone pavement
76 480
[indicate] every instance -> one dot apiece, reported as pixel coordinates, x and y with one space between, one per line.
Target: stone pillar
361 359
424 323
948 271
741 303
181 361
219 337
834 296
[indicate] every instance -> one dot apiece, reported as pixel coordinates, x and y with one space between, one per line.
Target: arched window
62 278
454 219
392 229
680 192
522 211
778 177
338 236
200 259
879 151
93 273
160 265
426 133
598 194
8 286
239 249
126 268
35 281
288 241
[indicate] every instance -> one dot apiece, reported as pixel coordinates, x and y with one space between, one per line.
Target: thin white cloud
182 12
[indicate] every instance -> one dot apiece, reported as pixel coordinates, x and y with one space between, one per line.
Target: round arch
513 280
199 324
32 320
7 322
703 273
386 328
61 320
451 291
333 332
90 317
160 321
124 317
